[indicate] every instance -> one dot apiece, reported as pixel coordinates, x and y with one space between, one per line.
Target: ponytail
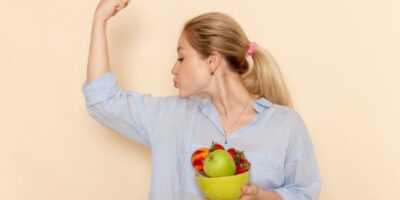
264 79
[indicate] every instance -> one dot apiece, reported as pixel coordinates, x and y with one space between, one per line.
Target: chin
184 94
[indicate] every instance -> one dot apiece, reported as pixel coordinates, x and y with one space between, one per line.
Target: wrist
98 24
99 20
260 194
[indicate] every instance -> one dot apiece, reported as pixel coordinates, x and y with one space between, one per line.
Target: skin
98 59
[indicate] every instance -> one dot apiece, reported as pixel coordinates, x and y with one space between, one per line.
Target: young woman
248 107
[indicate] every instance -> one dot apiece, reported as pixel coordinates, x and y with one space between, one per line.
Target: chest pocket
265 172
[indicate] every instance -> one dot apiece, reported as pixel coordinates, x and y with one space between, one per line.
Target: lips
175 83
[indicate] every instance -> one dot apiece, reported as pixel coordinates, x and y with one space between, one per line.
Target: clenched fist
108 8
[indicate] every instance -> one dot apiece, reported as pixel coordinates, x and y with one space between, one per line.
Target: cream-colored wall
338 58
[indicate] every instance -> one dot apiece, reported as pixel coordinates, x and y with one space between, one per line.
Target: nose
174 69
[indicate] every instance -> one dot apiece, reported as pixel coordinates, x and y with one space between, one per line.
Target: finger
248 197
120 5
245 197
126 2
249 189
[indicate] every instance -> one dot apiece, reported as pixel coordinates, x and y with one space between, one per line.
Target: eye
180 59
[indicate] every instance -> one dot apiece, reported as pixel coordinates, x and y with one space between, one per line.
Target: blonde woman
248 107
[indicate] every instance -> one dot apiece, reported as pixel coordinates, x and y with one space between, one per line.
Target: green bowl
223 188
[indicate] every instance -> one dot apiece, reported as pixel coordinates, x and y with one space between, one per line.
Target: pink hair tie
251 49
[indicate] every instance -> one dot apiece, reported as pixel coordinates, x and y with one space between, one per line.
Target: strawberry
239 156
232 151
239 169
215 146
243 166
246 164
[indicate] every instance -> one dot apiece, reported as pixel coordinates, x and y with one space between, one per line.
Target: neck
229 96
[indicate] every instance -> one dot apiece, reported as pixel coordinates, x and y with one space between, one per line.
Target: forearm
98 61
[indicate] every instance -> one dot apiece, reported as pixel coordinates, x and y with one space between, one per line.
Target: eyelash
180 59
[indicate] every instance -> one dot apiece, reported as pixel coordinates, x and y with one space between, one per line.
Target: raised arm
137 116
98 61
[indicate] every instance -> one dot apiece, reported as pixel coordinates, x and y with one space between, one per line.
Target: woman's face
191 72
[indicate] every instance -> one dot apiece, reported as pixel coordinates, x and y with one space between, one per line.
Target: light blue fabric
276 143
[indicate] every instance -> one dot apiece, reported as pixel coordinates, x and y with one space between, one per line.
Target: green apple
219 163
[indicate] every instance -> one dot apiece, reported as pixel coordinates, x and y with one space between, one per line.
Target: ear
214 61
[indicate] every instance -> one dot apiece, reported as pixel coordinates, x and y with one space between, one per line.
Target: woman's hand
250 192
108 8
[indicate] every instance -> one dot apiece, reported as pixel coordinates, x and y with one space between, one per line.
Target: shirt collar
260 105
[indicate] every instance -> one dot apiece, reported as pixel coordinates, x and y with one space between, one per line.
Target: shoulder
297 128
281 112
287 118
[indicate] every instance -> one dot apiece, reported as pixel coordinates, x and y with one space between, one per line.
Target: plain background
339 59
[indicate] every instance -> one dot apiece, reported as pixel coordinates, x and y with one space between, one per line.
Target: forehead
183 44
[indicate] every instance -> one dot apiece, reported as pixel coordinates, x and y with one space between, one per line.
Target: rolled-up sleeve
302 180
131 114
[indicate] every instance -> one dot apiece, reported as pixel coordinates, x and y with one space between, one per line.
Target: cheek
199 81
195 79
203 77
192 71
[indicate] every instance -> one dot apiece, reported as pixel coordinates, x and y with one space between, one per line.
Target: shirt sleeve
131 114
302 179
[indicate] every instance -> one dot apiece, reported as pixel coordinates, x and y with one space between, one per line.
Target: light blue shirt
276 142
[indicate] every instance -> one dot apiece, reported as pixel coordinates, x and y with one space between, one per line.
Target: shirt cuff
100 89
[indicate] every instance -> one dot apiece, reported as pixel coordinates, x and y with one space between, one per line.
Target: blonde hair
219 32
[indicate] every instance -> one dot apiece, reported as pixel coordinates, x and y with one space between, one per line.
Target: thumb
249 189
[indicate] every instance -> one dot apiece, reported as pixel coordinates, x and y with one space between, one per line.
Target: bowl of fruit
220 173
